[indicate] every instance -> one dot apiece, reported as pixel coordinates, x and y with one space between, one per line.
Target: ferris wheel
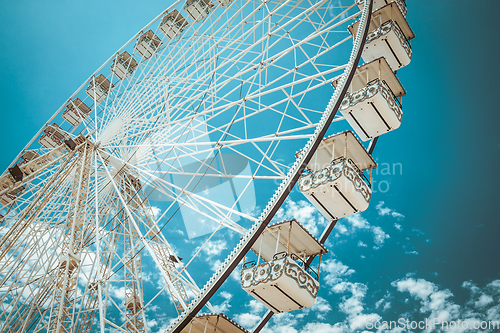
188 140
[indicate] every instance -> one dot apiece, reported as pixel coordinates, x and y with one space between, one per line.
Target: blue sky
428 244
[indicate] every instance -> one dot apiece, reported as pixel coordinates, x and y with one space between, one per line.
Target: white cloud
215 265
118 292
151 323
247 320
383 211
495 285
379 236
335 271
224 306
256 307
156 211
433 301
419 288
214 248
356 222
320 308
322 328
483 301
303 212
384 302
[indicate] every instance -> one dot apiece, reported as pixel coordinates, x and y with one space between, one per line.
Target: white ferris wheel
196 130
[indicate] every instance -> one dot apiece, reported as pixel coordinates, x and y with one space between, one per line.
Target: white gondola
198 9
173 24
388 37
283 283
75 112
213 323
380 3
335 183
7 198
132 302
71 262
147 44
371 106
124 65
28 156
6 181
52 136
100 90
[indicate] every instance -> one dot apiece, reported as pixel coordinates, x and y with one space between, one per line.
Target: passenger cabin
75 112
213 323
380 3
98 88
133 302
9 197
6 182
371 105
388 36
147 44
52 136
334 181
283 282
124 65
173 24
28 156
198 9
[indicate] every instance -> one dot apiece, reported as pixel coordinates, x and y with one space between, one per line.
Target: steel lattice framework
220 108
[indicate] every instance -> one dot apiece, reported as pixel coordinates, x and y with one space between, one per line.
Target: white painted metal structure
302 243
335 184
123 65
148 44
389 36
198 9
52 137
213 323
78 217
173 24
371 107
380 3
75 112
282 283
99 88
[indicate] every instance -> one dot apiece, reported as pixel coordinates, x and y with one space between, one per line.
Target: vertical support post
278 240
289 236
98 245
333 151
345 147
319 263
206 324
260 249
379 70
